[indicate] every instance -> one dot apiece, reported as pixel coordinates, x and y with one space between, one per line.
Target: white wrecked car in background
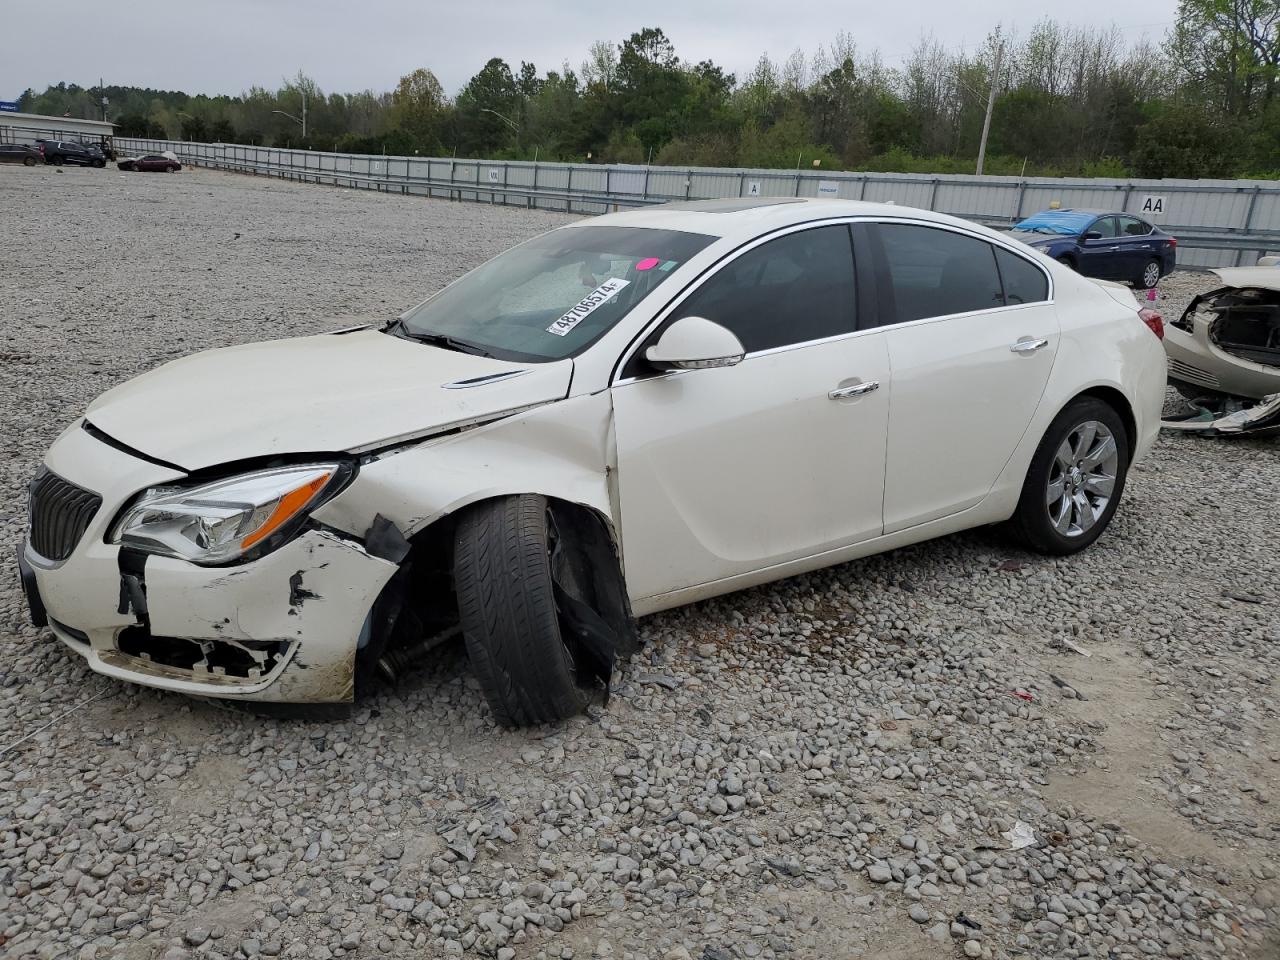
1224 355
620 416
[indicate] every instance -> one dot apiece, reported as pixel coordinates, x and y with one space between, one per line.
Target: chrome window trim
663 315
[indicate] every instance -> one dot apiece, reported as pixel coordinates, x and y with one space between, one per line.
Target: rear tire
1075 482
29 162
507 606
56 161
1150 275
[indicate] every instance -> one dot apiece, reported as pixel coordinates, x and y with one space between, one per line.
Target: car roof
746 217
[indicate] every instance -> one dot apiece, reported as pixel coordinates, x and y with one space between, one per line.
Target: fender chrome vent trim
484 381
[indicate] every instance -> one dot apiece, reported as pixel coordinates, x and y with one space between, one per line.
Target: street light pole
991 104
303 119
507 120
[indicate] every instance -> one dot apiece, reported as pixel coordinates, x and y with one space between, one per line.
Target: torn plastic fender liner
254 601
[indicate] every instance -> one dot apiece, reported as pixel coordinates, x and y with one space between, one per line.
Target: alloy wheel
1151 274
1082 478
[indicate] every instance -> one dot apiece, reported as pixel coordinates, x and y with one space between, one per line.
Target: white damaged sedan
617 417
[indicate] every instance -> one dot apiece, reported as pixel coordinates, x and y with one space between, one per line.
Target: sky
226 46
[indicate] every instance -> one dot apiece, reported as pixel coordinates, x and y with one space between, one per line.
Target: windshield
1062 223
552 297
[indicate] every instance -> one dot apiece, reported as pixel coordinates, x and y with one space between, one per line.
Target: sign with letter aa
9 106
1152 207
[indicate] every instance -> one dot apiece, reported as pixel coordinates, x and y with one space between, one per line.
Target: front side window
794 289
555 295
933 272
1105 226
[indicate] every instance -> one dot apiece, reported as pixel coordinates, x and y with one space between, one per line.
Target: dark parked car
152 162
20 153
1097 243
59 152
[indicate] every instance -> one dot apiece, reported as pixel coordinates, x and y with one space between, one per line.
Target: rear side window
935 272
1023 282
797 288
1133 227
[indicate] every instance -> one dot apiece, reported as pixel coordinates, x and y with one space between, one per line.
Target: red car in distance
153 162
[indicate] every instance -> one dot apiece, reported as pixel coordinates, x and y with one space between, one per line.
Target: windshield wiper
399 329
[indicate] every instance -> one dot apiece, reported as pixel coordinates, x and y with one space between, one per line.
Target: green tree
418 108
488 109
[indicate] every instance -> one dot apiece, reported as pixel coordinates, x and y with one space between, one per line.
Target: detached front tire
542 616
1075 480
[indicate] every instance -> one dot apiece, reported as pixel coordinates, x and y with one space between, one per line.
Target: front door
971 338
727 471
1101 257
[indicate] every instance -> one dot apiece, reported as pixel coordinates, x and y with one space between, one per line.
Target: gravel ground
825 767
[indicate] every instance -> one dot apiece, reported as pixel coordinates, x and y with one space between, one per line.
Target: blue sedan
1110 246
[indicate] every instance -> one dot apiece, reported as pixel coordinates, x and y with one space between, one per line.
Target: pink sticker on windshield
647 264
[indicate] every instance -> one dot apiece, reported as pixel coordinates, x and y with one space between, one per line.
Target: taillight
1153 320
1173 242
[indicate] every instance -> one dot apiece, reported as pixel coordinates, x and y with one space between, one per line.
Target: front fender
563 449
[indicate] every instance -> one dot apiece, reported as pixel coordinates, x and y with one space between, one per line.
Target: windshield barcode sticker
591 302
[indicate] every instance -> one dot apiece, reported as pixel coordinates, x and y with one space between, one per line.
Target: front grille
60 513
1187 371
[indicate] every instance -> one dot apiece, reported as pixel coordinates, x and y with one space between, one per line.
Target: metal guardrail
993 201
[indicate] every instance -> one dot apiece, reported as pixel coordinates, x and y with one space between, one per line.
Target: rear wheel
1150 275
56 161
528 591
29 162
1075 480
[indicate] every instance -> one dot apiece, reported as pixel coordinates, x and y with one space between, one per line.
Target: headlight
222 521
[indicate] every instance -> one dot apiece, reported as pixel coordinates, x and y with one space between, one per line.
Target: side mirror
694 343
1092 235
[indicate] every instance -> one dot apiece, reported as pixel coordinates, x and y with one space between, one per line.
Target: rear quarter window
1023 281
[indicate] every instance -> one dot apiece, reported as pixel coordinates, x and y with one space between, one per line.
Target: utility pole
991 105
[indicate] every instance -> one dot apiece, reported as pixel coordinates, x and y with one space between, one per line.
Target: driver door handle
854 390
1028 345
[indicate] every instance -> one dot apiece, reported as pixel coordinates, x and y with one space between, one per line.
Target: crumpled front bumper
1197 362
309 601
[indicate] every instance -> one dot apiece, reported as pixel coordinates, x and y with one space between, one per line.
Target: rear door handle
1028 345
854 390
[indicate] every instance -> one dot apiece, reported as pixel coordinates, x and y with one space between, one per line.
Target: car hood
321 394
1264 278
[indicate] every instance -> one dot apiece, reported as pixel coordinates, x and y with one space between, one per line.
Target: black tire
1031 523
56 161
1146 279
506 603
29 162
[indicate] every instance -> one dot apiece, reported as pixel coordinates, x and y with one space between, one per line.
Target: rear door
972 335
1137 246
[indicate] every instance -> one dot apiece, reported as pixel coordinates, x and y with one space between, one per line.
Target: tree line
1069 101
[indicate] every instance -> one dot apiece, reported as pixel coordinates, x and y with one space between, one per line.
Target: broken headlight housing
229 519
